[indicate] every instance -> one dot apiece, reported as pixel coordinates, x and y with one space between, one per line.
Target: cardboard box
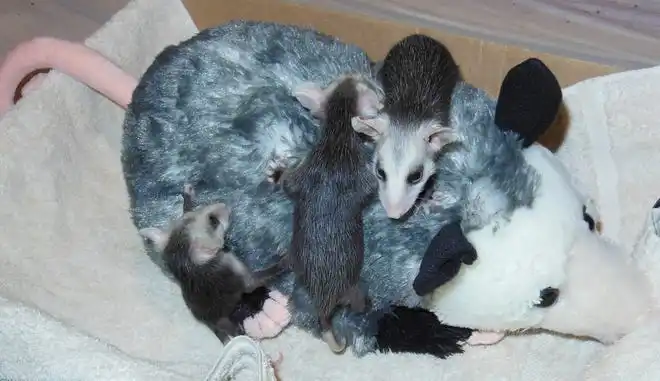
483 63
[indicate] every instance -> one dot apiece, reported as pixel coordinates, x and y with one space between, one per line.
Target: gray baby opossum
212 280
418 76
329 190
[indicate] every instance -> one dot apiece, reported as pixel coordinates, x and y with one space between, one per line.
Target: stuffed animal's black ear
529 100
444 256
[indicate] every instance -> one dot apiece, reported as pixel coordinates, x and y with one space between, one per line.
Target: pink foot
275 363
260 326
271 320
276 309
485 338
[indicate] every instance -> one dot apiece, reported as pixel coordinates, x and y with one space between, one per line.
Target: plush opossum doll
541 263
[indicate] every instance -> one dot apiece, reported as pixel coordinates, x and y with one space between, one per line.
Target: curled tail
73 59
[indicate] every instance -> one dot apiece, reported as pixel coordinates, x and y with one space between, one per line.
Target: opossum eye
415 176
588 219
380 173
214 222
547 297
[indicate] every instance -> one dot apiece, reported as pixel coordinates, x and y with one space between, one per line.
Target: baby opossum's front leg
225 330
274 315
262 277
276 165
430 203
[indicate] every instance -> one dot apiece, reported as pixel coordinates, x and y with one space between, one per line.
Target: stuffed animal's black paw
444 256
416 330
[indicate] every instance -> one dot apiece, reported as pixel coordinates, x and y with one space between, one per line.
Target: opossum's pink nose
395 211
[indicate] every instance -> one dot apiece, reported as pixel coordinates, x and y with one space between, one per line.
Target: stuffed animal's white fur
602 294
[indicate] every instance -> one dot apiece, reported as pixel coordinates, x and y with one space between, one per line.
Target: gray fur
418 76
329 190
197 117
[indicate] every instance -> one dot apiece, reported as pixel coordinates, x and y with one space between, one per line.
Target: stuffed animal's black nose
547 297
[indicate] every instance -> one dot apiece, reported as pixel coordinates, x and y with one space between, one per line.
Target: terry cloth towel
81 300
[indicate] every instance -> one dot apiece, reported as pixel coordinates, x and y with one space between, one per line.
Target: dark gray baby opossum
212 280
329 189
418 76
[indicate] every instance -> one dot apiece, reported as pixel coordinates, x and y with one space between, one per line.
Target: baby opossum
329 189
212 280
418 76
314 98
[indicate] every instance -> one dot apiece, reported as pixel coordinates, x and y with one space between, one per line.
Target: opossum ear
374 127
369 103
311 96
157 237
529 100
439 136
188 198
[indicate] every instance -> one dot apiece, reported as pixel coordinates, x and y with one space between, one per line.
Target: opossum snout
547 297
396 202
394 211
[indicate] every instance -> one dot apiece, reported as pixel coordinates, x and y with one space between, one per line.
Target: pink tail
73 59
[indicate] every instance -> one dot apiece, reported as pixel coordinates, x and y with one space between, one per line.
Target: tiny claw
329 338
275 167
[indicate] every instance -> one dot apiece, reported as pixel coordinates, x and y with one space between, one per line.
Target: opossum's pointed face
198 235
206 230
404 159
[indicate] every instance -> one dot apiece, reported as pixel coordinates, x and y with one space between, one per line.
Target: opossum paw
417 330
252 328
275 167
484 338
276 361
278 297
261 326
276 364
277 311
